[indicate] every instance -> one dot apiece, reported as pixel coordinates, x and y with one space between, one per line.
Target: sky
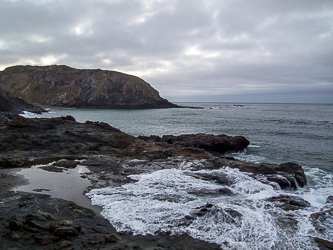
189 50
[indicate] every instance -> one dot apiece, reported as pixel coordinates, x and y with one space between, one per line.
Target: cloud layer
189 50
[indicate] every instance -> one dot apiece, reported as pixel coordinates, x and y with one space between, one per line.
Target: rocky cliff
60 85
11 105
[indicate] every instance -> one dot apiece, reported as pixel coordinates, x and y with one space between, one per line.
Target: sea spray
181 201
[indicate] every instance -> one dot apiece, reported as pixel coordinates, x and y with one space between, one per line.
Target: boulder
213 143
286 175
66 163
289 202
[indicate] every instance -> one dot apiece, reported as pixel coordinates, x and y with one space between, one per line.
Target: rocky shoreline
38 221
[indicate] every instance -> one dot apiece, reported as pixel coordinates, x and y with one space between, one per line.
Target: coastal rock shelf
116 159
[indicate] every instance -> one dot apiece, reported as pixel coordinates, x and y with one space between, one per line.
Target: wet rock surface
37 221
211 143
323 223
288 202
286 175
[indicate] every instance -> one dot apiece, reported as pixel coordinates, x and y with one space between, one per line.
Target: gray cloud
188 50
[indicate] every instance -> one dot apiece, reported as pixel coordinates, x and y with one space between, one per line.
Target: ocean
278 133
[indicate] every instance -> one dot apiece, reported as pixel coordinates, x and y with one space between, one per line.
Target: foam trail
180 201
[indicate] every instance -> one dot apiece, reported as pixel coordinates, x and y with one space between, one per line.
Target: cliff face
60 85
12 104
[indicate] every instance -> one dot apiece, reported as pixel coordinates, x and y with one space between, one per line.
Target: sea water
162 200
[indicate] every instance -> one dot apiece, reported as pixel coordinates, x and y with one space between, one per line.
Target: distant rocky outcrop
11 105
60 85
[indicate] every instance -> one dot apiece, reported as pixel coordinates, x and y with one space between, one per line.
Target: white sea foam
164 200
249 157
28 114
253 146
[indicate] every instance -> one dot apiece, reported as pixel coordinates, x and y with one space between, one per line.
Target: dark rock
226 215
56 136
5 117
153 138
203 210
323 244
60 226
21 122
64 244
65 229
283 182
54 169
296 171
210 192
11 104
112 156
40 190
15 225
40 216
219 178
288 202
225 191
233 213
10 163
215 143
329 199
286 175
104 125
103 239
158 154
322 221
287 223
60 85
66 164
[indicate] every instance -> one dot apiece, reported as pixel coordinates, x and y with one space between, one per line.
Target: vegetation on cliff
60 85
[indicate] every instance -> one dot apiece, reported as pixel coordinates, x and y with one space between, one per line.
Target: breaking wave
233 212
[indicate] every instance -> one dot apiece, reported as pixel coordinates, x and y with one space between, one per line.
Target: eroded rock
61 224
214 143
286 175
289 202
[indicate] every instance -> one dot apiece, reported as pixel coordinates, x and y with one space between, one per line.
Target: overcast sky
189 50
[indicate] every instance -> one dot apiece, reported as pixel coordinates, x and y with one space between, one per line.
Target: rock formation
60 85
37 221
63 137
10 105
212 143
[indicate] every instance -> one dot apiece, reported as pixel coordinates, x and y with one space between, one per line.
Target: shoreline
112 156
